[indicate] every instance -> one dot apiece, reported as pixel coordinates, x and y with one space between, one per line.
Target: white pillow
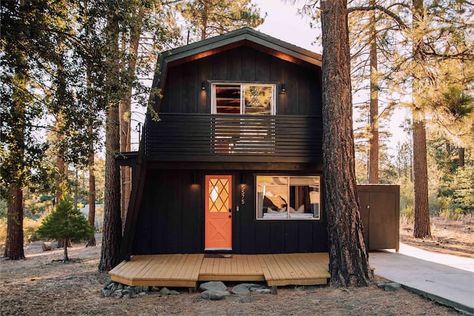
292 210
300 209
283 209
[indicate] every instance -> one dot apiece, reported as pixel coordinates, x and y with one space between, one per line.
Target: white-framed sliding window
243 98
280 197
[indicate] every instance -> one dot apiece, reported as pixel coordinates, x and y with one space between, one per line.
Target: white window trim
288 185
242 85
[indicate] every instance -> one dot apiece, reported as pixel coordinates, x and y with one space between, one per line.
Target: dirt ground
448 236
40 286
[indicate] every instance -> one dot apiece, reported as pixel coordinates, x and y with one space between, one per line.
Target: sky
285 23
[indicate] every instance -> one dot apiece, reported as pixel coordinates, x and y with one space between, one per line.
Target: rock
139 289
173 292
389 286
214 295
240 289
142 294
165 291
108 284
106 292
214 286
118 294
113 286
263 291
46 246
155 289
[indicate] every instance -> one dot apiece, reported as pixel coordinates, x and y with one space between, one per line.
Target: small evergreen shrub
65 223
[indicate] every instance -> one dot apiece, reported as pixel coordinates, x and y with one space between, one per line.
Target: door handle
230 216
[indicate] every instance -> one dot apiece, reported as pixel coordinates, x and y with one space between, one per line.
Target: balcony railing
234 138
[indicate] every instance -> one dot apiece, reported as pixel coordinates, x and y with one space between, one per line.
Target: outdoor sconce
203 86
282 88
195 178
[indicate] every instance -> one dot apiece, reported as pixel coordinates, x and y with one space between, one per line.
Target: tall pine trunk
374 103
420 169
125 111
348 258
14 240
112 231
204 19
90 162
91 194
14 243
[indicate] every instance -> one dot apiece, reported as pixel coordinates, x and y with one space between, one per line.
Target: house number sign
242 194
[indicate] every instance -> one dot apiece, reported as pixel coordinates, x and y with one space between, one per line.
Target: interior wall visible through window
288 197
248 98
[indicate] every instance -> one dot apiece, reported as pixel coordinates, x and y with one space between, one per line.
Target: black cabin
234 163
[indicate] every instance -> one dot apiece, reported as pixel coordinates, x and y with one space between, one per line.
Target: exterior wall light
203 86
282 88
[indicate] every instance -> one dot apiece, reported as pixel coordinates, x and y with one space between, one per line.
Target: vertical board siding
171 219
182 92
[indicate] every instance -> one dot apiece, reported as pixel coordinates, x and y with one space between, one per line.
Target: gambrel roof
241 37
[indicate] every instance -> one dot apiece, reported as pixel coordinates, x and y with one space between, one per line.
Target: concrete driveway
446 279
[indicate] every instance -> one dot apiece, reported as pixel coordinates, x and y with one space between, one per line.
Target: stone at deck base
214 295
214 286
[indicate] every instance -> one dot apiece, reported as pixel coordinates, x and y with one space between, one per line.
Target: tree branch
382 9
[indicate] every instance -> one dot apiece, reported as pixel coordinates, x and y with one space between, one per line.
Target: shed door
218 208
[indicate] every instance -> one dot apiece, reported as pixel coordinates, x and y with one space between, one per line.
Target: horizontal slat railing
234 138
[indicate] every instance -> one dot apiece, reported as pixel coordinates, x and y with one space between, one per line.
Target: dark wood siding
182 92
171 219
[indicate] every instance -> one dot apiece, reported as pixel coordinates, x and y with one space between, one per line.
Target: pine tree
213 17
348 257
65 223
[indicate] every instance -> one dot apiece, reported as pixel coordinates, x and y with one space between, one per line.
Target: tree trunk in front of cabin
420 169
348 258
14 243
112 230
374 103
125 111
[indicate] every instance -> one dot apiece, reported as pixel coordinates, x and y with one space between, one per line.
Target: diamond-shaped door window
218 195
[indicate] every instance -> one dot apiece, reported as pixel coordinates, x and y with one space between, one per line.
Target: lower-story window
288 197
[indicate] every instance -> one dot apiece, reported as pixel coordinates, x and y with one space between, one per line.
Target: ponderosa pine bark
112 230
348 258
125 110
374 102
91 193
14 240
14 243
420 169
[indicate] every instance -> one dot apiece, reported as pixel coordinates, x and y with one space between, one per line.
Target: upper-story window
243 98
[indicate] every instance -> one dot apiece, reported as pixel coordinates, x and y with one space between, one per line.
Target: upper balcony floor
233 138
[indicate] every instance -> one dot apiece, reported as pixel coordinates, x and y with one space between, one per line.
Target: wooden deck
185 270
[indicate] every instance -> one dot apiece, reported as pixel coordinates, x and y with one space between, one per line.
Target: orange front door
218 208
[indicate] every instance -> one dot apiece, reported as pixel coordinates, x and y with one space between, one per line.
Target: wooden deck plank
184 270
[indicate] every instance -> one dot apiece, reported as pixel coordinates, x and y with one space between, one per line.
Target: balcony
233 138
